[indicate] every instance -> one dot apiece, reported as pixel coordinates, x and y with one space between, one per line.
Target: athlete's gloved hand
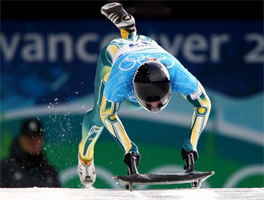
132 161
190 157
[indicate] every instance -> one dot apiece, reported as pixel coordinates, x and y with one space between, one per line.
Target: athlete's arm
108 113
202 108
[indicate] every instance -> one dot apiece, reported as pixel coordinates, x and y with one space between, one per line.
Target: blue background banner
58 59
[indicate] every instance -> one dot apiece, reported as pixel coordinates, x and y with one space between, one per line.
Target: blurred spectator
27 165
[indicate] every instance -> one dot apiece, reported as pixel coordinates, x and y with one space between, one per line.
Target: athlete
134 69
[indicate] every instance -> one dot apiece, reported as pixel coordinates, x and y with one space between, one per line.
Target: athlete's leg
94 121
91 130
92 127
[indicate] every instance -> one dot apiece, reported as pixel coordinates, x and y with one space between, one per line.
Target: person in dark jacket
27 165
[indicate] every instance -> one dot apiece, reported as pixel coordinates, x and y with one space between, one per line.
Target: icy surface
108 194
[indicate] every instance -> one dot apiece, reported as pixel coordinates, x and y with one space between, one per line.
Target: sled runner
195 178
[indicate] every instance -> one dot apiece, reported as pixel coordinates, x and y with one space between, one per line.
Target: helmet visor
155 104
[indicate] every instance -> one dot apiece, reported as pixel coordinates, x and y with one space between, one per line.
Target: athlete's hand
132 161
190 157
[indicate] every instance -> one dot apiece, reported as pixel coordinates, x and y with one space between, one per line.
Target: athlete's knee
92 117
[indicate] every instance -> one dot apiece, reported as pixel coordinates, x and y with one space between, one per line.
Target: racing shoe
86 171
116 13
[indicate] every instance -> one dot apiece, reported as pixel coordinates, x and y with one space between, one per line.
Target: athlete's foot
116 13
86 171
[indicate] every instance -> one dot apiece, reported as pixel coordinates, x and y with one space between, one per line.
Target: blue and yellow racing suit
116 65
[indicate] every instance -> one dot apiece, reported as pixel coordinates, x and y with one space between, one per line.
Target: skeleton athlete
134 69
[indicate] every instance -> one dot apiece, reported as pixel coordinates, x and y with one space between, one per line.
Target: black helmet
152 86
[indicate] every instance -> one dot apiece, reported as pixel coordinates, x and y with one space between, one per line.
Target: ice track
110 194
